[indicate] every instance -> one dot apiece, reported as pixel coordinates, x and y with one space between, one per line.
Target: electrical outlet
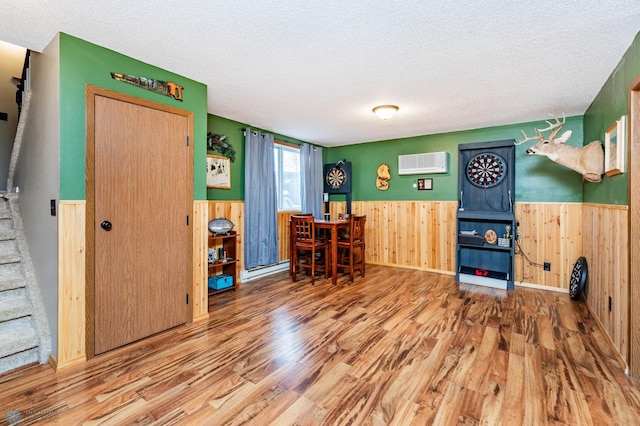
547 266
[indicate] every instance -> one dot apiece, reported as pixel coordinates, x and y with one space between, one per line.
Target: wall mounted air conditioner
419 164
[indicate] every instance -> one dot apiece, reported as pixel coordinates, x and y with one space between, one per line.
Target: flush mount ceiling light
385 111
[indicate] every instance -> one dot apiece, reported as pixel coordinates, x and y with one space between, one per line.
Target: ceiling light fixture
385 111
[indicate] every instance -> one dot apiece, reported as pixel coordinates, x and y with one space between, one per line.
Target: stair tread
7 234
5 214
14 304
9 258
17 336
12 283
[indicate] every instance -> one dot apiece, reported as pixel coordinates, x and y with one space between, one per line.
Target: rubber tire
578 279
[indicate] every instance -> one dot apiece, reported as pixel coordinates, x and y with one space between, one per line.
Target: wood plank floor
399 347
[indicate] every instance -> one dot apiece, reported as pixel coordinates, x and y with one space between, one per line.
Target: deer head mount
587 160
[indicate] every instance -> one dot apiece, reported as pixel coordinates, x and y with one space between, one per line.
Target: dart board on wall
486 176
486 170
337 178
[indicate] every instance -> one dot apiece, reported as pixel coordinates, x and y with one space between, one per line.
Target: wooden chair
351 251
291 233
343 233
304 240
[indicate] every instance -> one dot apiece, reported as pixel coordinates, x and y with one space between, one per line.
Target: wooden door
141 236
634 226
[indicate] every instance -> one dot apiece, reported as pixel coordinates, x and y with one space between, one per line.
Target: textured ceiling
313 70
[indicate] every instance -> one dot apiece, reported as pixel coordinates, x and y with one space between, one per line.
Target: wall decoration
486 169
220 144
383 177
166 88
218 172
337 180
614 147
587 160
425 184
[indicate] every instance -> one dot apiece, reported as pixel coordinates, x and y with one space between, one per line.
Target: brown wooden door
141 185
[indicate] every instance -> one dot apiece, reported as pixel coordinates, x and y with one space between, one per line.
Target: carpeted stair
24 332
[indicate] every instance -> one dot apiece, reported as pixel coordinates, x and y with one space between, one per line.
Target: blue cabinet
486 225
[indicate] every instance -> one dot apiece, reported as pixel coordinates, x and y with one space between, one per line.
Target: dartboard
336 178
486 170
578 278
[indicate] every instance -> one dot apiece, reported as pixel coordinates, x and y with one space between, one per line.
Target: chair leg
327 263
293 267
313 267
351 264
362 261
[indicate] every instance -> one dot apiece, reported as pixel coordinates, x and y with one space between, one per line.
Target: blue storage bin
218 282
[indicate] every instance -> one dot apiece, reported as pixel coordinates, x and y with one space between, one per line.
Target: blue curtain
311 179
260 201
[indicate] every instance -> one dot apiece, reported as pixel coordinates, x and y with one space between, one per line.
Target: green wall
537 178
610 104
83 63
233 131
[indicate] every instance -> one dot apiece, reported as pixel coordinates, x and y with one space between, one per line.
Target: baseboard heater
263 271
483 277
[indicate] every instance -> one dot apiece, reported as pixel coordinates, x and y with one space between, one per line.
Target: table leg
334 255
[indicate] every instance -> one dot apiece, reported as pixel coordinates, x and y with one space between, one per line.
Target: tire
578 278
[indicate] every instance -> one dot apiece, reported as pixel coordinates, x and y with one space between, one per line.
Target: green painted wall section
610 104
235 136
83 63
537 178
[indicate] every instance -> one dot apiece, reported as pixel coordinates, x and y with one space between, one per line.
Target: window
287 165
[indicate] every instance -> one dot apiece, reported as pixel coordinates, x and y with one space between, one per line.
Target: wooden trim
53 363
633 176
289 144
71 284
89 217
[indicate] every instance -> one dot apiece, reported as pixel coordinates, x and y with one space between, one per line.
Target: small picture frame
425 184
614 147
218 172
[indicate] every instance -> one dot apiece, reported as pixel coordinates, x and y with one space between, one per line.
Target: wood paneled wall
549 232
71 284
411 234
199 293
422 234
606 248
283 235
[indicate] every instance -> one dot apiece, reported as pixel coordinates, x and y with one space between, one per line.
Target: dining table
332 226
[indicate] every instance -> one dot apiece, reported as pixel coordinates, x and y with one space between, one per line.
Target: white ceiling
313 70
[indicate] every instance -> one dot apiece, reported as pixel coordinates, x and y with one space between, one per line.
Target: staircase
24 331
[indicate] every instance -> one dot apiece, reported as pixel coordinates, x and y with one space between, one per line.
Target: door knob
106 225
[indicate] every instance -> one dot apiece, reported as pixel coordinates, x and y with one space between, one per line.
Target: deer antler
529 138
554 127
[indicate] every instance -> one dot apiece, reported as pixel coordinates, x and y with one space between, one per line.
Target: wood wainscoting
71 284
548 232
200 304
606 248
422 235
